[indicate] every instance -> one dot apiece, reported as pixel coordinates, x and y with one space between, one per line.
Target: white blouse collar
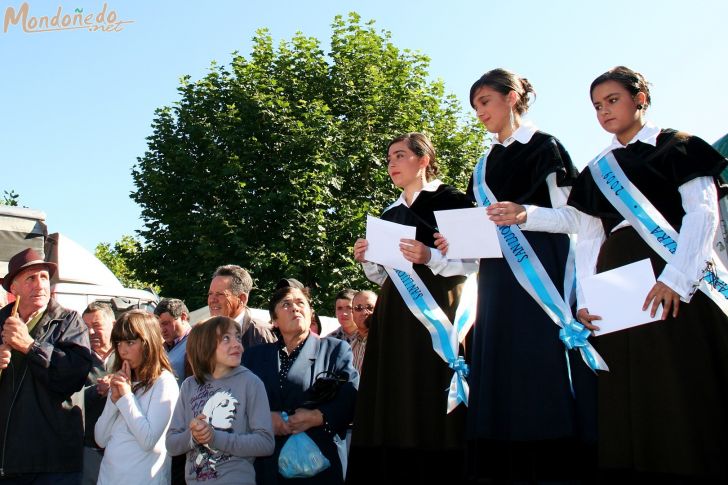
523 135
647 134
428 187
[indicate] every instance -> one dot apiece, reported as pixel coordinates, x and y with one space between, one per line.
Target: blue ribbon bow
458 365
574 335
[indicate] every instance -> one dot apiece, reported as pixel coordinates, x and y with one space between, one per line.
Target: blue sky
76 106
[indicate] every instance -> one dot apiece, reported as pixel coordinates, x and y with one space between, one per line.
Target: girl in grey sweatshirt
222 420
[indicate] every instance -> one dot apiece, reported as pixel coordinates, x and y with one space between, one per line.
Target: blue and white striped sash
652 227
532 276
446 337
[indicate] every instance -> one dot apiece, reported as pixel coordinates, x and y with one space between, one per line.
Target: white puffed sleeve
559 218
695 242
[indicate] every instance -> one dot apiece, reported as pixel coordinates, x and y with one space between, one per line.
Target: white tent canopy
76 264
20 229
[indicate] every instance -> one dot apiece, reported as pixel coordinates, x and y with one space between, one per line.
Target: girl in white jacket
142 396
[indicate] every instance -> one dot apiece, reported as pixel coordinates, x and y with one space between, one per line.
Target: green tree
274 161
9 198
118 258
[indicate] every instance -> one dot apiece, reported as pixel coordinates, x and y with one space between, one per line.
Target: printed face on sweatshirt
220 408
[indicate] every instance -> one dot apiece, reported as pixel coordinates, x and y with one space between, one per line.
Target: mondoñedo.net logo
104 20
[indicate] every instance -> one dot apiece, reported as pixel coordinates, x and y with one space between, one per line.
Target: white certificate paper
470 233
618 295
383 243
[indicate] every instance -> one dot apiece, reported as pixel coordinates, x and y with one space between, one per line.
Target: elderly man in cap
228 297
44 359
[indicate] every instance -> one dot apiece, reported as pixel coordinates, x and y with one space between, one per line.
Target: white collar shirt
647 134
428 187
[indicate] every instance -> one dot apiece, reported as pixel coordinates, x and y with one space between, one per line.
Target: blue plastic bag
300 457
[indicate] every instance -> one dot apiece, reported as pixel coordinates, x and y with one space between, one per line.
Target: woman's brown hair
420 145
139 324
504 81
202 344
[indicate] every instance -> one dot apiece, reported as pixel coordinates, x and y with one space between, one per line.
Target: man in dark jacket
44 359
99 318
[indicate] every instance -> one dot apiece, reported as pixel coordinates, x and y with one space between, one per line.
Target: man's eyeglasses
361 308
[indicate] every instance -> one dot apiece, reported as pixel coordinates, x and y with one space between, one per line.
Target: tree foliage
274 161
119 257
9 198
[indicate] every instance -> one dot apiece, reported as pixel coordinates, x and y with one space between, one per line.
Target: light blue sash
446 337
532 276
652 226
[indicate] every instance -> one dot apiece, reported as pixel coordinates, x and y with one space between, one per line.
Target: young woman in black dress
663 407
402 430
530 406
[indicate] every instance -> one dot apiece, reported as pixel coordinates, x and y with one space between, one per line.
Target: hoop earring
639 107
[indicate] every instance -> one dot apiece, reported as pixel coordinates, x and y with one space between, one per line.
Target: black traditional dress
402 432
663 407
523 420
